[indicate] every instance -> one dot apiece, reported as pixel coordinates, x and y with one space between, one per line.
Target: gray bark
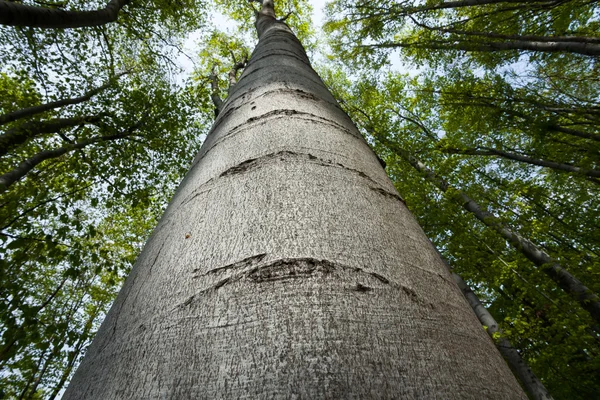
287 266
588 300
214 92
16 14
233 73
533 386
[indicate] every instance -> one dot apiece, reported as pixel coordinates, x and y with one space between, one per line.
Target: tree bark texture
287 266
534 387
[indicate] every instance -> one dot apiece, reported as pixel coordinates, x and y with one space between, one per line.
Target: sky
191 44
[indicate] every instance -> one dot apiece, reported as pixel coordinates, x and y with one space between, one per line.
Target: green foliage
424 115
17 92
438 33
72 227
218 54
490 86
298 14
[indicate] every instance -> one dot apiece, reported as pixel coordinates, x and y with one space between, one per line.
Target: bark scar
390 195
248 261
263 118
362 288
255 162
284 269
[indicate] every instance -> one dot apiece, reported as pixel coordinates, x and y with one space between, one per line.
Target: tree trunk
287 266
32 378
534 387
471 3
574 132
214 92
587 49
578 41
73 355
16 14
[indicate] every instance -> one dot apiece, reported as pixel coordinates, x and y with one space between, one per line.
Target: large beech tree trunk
287 266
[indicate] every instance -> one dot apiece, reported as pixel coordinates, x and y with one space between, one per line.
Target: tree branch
214 91
29 111
17 14
9 178
235 69
486 151
28 130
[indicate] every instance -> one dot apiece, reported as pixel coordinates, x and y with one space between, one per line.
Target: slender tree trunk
471 3
578 41
574 132
233 73
533 386
31 393
33 374
588 300
17 14
287 266
73 355
214 92
549 127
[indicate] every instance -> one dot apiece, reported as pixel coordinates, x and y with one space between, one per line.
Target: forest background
485 115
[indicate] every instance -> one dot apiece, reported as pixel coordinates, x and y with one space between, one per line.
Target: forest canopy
485 114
